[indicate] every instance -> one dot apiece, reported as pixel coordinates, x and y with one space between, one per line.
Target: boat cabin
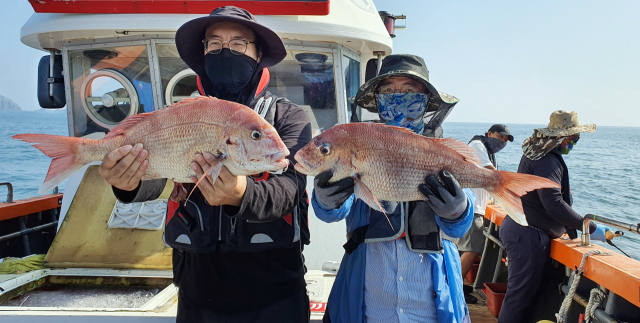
108 60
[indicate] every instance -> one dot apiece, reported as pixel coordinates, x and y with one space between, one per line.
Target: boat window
108 84
351 80
178 80
307 79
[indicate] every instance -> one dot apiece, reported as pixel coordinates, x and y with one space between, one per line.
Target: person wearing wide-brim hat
548 212
237 242
438 105
238 69
406 271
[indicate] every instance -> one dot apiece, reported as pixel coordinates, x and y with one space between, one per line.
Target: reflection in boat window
132 62
351 80
307 79
175 74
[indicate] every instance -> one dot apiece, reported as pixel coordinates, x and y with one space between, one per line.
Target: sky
507 61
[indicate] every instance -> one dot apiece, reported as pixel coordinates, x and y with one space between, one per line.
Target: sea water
603 166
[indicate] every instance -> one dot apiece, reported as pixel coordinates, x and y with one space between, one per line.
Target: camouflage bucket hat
564 123
402 65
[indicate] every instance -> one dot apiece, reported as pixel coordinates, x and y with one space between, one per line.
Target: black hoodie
226 281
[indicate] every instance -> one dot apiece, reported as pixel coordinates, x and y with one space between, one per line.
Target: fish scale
389 163
172 137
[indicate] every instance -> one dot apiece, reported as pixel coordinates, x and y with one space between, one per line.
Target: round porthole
108 97
181 86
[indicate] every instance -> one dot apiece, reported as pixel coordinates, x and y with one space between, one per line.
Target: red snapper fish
235 134
388 163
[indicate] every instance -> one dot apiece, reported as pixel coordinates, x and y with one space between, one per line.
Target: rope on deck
596 298
568 299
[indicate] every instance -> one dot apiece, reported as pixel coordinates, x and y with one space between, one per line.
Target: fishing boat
107 60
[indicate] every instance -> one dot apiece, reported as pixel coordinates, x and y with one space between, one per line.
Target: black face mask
494 145
228 73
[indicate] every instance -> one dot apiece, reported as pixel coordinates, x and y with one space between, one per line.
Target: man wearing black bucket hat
406 272
242 260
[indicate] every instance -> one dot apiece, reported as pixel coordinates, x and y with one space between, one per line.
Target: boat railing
586 236
617 276
44 211
10 191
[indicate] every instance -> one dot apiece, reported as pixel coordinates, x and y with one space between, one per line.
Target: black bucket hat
402 65
190 35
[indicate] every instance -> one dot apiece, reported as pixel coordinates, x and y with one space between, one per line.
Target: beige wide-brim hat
564 123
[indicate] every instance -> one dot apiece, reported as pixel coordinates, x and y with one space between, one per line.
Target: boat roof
352 23
257 7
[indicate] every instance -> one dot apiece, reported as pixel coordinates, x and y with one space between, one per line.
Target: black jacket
549 209
226 280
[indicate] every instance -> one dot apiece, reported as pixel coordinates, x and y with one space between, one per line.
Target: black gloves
447 200
335 194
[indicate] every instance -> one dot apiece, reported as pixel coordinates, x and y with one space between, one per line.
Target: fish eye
256 135
325 149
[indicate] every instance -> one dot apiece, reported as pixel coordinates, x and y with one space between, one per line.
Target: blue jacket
346 301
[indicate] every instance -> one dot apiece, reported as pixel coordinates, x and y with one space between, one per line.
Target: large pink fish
243 142
388 163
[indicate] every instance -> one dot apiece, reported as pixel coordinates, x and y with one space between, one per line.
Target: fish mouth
303 167
279 160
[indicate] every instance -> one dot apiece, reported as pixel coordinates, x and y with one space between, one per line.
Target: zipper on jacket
233 226
220 223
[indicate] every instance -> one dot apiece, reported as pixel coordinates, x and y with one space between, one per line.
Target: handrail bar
586 236
9 193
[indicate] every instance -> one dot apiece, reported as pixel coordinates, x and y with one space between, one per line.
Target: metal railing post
586 236
25 237
9 193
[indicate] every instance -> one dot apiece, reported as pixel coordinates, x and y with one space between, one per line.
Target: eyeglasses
236 46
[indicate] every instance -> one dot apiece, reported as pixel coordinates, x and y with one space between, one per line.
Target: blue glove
600 233
446 198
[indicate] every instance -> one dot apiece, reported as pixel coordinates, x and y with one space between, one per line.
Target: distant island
7 105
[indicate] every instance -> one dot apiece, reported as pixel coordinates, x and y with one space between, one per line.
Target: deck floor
480 313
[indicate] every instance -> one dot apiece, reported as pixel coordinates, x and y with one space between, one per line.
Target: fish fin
214 171
126 124
190 100
363 193
403 129
64 152
461 148
512 187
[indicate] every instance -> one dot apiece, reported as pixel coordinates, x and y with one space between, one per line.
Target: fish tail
514 185
63 150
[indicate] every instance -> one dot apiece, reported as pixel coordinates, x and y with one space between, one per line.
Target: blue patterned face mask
403 110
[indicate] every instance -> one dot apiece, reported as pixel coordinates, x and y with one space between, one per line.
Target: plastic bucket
495 296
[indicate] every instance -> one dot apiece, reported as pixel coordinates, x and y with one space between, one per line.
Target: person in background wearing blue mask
548 212
407 273
471 245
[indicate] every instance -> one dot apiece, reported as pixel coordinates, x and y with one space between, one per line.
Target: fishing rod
609 235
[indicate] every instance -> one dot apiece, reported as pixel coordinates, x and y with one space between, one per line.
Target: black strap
354 113
52 80
355 238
